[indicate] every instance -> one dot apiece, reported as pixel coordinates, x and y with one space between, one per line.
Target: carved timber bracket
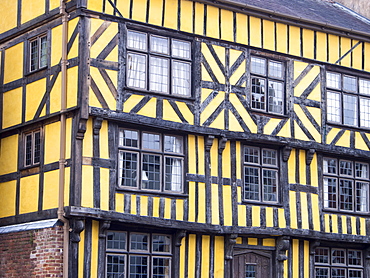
286 153
77 226
104 226
209 142
97 125
309 156
221 145
81 129
230 241
313 245
179 236
282 245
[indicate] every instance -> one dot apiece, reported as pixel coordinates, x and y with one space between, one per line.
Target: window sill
346 212
151 192
164 95
257 203
29 73
356 128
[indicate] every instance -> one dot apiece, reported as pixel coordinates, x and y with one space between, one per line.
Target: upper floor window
268 85
348 100
158 64
32 148
338 262
261 174
346 185
38 48
132 254
151 161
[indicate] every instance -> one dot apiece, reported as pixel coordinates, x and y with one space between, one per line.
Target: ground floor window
252 264
338 263
132 254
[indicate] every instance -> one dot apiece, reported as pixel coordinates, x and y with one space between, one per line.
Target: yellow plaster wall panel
72 25
315 95
55 97
357 54
108 9
103 88
213 22
180 210
67 185
242 29
238 193
295 258
34 93
219 256
119 202
242 212
299 67
294 40
143 205
234 124
149 109
170 14
281 37
131 102
307 123
227 203
104 143
252 241
156 12
192 155
205 93
299 134
95 5
345 139
353 225
68 137
345 46
51 189
321 43
315 212
282 220
52 142
207 112
202 200
238 73
139 10
199 19
269 217
53 4
367 56
167 208
256 216
255 36
104 189
205 75
124 7
206 246
72 87
169 114
32 9
268 242
285 131
87 187
331 135
8 19
133 209
226 155
81 252
113 56
12 108
362 226
306 81
304 211
238 161
191 259
94 248
8 161
156 201
270 126
334 223
333 48
344 224
186 16
293 209
316 114
306 263
201 158
212 62
185 111
219 122
359 142
292 167
29 194
182 257
191 201
215 206
314 171
104 39
88 140
268 35
308 43
8 202
227 25
13 63
214 158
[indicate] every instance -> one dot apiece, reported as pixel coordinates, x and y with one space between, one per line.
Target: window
38 52
338 263
260 174
32 148
158 64
142 255
346 185
348 100
150 161
267 81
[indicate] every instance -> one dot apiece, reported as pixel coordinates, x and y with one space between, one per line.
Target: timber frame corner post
282 246
313 245
230 241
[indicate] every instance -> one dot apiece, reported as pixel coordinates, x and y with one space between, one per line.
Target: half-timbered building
179 138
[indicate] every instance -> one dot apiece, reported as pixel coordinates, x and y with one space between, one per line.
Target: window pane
275 69
151 141
136 40
172 144
330 166
34 54
181 78
251 183
181 49
330 193
251 155
258 66
365 112
322 255
258 93
338 256
321 272
269 157
159 45
128 169
139 242
28 151
362 194
37 148
43 52
350 110
346 195
161 267
269 185
159 74
161 243
338 273
276 97
333 80
345 168
173 174
354 257
128 138
362 170
139 267
136 70
250 271
333 107
352 273
116 240
364 87
151 171
115 266
349 83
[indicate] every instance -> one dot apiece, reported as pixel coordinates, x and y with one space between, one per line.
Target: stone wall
360 6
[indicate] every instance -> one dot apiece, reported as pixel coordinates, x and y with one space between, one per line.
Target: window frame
358 94
170 57
140 151
267 79
33 150
261 166
38 39
127 252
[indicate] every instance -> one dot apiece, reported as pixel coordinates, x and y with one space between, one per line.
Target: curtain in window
136 70
173 165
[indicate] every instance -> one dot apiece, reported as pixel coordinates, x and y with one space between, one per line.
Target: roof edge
49 223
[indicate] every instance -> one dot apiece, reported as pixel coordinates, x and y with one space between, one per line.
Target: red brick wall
36 253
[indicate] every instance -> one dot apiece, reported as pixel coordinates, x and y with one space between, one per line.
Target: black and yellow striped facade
210 218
